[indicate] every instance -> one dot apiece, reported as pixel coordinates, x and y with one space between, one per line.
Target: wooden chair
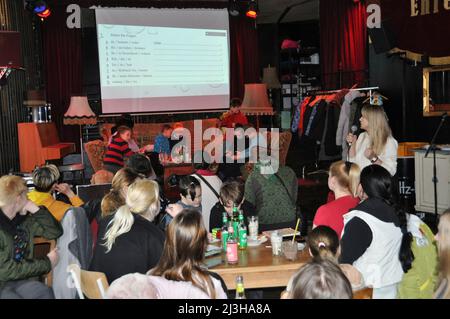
88 283
42 247
282 145
95 151
365 293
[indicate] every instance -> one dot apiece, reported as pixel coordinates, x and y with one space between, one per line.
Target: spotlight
38 7
45 14
252 11
233 10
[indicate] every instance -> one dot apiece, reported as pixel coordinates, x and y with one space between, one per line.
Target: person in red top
117 150
234 115
343 181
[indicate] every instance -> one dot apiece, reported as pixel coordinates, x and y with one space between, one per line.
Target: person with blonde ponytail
129 241
376 145
116 196
443 240
343 181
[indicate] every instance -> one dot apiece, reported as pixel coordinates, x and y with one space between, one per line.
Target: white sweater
388 157
209 199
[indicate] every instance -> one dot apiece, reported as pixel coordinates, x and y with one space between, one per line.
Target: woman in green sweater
20 221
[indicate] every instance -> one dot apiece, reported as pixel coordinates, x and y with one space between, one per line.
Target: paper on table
284 232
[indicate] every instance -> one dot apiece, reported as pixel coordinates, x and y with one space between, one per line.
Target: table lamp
256 101
270 78
40 109
79 113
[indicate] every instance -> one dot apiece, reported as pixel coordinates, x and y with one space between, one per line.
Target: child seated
190 198
320 279
162 143
117 150
231 194
323 243
45 180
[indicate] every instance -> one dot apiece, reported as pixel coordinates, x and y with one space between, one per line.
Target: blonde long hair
443 245
378 128
143 199
115 198
347 175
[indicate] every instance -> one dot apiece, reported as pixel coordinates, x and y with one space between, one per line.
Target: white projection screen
163 60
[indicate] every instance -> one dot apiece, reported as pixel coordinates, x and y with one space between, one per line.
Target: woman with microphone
376 145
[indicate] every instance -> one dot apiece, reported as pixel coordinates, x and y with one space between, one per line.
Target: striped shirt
117 150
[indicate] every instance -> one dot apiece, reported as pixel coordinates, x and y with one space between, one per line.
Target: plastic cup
276 241
253 227
290 250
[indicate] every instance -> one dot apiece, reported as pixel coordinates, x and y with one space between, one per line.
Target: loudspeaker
382 38
10 54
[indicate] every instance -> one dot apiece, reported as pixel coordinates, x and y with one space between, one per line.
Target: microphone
353 129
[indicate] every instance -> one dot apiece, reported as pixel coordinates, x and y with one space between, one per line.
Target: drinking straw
296 228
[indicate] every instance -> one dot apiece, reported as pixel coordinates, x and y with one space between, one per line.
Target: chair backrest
91 192
365 293
284 141
91 284
42 247
95 151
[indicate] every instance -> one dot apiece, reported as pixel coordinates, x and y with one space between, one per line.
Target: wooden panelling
13 17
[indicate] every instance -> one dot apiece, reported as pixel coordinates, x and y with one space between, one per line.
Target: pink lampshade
256 101
79 112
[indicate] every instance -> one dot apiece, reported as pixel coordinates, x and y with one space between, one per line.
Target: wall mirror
436 90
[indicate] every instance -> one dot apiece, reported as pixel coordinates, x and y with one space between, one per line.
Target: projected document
151 67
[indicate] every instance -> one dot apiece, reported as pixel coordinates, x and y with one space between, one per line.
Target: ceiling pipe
288 8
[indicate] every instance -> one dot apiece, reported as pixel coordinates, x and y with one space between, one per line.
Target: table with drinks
262 264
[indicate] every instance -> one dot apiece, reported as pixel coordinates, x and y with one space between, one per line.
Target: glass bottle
235 219
224 231
232 251
240 290
242 232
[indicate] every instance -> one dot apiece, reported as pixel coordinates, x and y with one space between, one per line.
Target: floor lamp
256 101
79 113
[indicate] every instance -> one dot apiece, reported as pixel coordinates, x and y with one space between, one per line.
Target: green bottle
224 231
242 232
235 222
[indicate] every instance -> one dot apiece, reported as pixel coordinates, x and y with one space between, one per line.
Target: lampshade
270 78
256 101
79 112
35 98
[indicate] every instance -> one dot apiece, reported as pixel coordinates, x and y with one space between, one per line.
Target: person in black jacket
20 221
231 193
128 241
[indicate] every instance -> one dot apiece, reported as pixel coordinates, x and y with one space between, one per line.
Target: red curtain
343 43
63 59
244 56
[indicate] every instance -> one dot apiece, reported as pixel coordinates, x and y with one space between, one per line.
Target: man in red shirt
234 115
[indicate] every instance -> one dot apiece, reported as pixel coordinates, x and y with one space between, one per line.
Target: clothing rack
370 89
